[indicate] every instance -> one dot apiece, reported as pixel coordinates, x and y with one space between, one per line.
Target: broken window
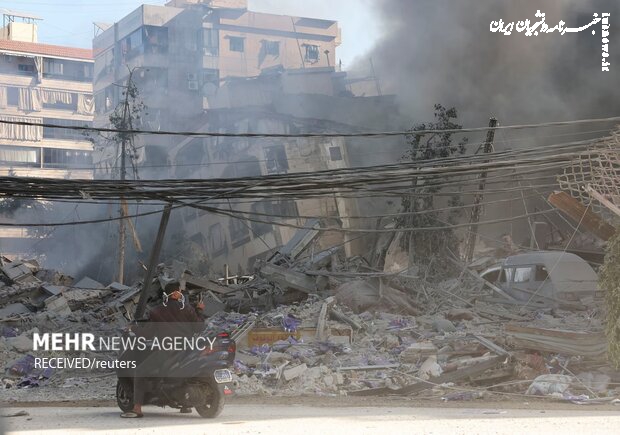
216 242
276 160
272 48
541 274
260 228
239 232
506 275
522 274
312 53
335 153
155 39
237 44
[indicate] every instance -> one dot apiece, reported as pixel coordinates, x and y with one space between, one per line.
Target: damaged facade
183 51
293 101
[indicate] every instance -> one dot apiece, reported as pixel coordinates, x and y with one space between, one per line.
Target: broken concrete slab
212 306
18 272
593 344
288 279
21 343
58 305
417 351
118 287
88 283
204 283
300 241
53 290
294 372
14 310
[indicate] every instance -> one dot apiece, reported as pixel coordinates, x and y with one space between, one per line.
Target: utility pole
150 271
122 234
477 209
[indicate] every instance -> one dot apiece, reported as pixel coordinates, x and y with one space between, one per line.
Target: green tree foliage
431 249
609 280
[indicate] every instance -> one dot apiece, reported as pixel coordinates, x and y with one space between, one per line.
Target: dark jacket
171 321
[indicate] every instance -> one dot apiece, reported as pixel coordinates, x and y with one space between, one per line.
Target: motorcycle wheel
214 405
124 394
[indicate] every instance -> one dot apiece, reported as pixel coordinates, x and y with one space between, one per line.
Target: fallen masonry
321 329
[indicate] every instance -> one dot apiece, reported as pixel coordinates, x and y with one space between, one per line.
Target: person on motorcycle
172 318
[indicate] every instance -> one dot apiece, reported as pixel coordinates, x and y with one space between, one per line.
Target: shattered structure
322 323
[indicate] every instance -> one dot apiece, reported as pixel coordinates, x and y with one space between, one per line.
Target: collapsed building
288 102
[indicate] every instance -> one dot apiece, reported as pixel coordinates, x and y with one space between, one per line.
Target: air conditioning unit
192 77
192 85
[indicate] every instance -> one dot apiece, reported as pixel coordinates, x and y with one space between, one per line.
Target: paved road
275 419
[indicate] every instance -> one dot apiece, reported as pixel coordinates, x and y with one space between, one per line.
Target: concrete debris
21 343
546 385
308 324
294 372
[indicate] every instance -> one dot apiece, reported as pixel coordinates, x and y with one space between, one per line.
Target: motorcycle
202 379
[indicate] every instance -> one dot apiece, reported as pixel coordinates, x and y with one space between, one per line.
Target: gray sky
69 22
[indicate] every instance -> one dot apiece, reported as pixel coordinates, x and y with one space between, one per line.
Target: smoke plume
442 51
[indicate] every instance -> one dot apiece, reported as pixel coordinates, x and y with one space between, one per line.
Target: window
491 276
335 153
237 44
61 158
12 96
64 133
216 242
276 160
62 105
210 42
155 39
522 274
26 69
239 232
506 275
272 48
541 274
312 53
284 208
20 156
260 228
53 67
67 70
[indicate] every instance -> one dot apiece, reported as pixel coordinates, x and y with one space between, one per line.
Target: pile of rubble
330 326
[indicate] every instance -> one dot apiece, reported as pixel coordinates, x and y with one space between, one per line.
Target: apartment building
285 102
182 52
41 84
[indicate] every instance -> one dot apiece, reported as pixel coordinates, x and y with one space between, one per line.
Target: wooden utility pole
122 234
477 209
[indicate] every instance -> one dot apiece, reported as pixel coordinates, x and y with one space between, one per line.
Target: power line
308 135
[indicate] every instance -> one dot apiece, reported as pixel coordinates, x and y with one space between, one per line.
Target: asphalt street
295 419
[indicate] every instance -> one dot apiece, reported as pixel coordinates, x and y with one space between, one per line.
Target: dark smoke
441 51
